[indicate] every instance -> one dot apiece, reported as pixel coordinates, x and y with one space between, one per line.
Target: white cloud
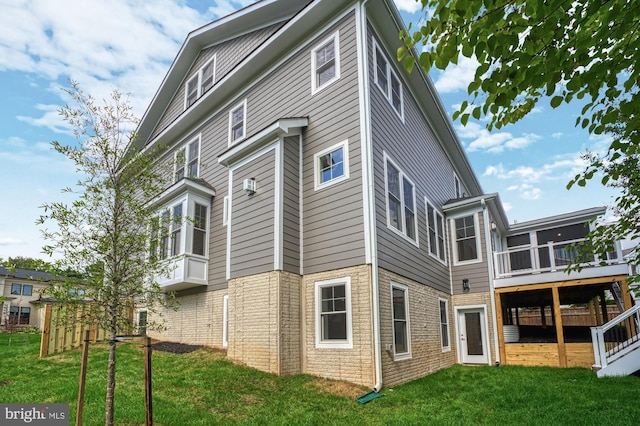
457 77
495 142
409 6
226 7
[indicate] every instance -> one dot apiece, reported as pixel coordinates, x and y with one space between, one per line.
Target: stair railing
616 338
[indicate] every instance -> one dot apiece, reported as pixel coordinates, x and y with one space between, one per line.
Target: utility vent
249 185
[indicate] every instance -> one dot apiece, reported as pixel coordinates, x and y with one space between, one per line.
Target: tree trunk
111 370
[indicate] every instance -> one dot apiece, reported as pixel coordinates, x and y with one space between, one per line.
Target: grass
203 388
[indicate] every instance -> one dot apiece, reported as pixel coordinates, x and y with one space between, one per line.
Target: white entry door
472 336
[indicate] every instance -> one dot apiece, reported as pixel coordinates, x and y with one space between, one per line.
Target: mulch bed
174 348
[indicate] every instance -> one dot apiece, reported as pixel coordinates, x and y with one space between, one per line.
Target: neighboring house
336 227
22 289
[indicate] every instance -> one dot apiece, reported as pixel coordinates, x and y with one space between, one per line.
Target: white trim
242 105
229 222
457 187
404 355
401 176
389 75
225 210
338 344
335 37
278 226
476 224
225 321
301 203
446 307
198 77
317 185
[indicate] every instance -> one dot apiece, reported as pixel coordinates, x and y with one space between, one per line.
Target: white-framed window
22 289
202 80
186 160
181 228
333 313
387 81
331 165
238 123
401 201
142 321
444 324
435 228
225 321
466 241
325 63
400 318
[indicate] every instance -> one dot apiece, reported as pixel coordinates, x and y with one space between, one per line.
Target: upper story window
22 289
201 82
400 314
199 240
457 187
331 165
435 225
401 202
325 63
466 239
333 313
238 123
387 80
186 160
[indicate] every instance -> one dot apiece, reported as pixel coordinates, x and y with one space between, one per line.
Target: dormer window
202 81
187 160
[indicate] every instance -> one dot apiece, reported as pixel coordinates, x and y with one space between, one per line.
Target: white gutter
368 186
487 236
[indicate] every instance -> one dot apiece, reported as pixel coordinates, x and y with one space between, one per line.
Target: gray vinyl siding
228 55
477 273
413 147
253 217
291 205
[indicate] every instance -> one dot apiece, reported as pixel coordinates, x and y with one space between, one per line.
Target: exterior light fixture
465 284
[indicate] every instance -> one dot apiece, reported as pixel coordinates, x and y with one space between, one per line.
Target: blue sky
129 45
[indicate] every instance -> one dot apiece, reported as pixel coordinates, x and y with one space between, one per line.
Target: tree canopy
560 51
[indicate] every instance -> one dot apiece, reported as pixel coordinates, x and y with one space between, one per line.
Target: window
444 325
22 289
142 322
237 123
400 313
333 313
199 230
457 187
401 202
332 165
387 80
466 241
165 223
186 160
435 225
176 230
325 63
16 288
19 315
27 289
198 85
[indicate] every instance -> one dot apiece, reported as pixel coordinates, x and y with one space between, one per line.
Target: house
21 289
335 226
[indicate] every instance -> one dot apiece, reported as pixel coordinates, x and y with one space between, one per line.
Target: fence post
46 331
147 382
83 378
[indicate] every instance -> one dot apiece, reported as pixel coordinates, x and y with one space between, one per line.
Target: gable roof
25 274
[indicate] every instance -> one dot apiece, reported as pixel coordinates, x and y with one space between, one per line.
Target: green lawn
203 388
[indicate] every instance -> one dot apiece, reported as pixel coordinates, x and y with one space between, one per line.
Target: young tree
104 232
565 50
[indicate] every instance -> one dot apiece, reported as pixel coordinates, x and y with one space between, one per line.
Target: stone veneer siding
427 355
356 364
198 320
462 300
264 322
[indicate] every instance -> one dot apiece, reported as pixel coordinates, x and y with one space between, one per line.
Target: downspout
365 125
487 235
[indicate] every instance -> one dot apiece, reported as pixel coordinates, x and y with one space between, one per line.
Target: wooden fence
58 337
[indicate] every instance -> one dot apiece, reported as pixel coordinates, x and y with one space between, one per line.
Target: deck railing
616 338
550 257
